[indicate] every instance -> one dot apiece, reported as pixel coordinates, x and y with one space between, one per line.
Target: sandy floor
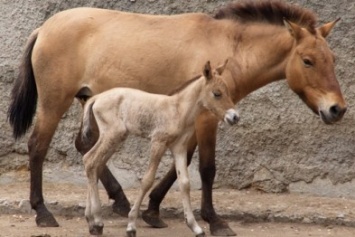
23 226
250 213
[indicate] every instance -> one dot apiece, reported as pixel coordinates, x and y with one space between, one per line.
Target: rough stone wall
279 144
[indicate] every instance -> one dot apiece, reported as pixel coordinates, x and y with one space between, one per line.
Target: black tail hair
24 93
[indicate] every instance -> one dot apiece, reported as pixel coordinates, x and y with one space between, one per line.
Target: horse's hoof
221 229
121 208
131 233
152 218
96 229
201 235
46 220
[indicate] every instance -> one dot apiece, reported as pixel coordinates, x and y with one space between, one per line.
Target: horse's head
216 97
310 72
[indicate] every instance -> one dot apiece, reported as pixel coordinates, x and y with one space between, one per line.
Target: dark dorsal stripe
271 11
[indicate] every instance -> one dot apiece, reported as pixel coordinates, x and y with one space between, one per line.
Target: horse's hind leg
45 125
152 216
114 190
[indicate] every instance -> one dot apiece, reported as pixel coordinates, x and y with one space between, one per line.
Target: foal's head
310 71
215 95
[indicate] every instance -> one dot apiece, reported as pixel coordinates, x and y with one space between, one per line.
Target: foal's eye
217 94
307 62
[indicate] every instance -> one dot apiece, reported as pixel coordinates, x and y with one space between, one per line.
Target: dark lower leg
43 218
114 190
206 131
218 226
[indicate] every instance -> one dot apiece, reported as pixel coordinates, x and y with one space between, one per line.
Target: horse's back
102 49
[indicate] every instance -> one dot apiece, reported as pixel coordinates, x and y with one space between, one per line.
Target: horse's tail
89 122
24 93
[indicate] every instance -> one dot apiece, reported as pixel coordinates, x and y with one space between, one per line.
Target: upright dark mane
184 85
271 11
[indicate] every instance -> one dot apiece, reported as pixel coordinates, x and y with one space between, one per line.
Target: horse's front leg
184 184
152 216
206 133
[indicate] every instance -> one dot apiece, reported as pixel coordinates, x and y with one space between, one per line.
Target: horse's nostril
337 111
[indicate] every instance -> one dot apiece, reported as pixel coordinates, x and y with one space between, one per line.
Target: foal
169 123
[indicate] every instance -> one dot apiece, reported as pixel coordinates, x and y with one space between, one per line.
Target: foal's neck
188 102
261 59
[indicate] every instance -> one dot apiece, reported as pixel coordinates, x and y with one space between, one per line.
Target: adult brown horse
81 52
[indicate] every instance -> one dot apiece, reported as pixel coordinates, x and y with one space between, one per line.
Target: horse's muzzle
231 117
333 114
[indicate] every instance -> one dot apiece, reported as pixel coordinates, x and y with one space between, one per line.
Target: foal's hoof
46 220
152 218
131 233
96 229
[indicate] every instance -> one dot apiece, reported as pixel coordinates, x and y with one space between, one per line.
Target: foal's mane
271 11
184 85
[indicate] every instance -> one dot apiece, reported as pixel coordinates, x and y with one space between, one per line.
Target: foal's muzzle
231 117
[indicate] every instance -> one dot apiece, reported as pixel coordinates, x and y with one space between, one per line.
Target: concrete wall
279 144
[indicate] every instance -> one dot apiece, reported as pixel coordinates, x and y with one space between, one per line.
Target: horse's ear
327 28
294 29
207 71
221 68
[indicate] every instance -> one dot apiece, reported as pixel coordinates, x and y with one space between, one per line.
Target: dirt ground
250 213
23 226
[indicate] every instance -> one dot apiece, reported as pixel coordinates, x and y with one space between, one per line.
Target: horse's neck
261 59
187 101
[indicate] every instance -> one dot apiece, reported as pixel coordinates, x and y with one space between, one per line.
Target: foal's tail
89 126
24 93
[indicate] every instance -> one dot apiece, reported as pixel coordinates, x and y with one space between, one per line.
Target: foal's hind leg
94 162
45 125
114 190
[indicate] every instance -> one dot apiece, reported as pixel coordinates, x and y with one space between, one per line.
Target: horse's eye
217 94
307 62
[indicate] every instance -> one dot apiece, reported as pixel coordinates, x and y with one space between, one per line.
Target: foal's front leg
157 151
184 184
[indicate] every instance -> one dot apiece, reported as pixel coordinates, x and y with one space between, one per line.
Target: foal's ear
294 29
327 28
221 68
207 71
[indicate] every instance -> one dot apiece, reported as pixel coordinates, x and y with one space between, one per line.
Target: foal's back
140 112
